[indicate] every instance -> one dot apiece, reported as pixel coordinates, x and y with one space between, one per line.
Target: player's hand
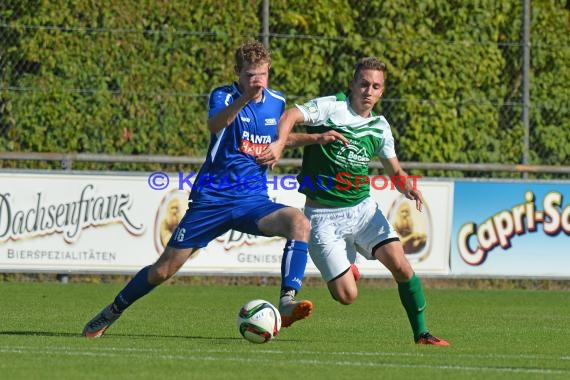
415 195
252 92
331 136
271 154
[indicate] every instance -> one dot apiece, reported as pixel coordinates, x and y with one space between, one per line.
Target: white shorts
337 234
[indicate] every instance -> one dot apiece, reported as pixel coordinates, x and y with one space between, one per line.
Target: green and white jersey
334 174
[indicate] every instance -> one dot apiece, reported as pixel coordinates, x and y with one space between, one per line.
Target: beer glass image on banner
169 212
413 227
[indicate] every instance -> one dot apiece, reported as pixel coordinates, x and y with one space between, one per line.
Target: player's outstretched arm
296 140
227 115
403 182
272 153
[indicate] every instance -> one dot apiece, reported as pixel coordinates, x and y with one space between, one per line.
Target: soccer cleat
100 323
355 272
427 338
294 311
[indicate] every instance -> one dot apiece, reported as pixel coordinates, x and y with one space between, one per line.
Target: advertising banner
425 235
76 223
515 229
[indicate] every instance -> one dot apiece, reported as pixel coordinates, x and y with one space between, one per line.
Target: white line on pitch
66 352
327 353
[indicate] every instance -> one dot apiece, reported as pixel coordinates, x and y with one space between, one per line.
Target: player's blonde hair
368 63
252 53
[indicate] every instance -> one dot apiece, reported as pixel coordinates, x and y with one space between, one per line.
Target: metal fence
520 109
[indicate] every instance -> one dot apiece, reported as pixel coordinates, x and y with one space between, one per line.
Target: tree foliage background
133 77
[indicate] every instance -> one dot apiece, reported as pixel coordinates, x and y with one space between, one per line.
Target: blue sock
135 289
293 264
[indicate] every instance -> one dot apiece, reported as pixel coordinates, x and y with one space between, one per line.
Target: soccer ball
259 321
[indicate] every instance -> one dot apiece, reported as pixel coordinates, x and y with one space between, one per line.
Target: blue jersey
230 170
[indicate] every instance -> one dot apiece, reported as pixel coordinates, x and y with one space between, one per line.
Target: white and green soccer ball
259 321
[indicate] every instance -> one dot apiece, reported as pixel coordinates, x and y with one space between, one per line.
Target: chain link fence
25 85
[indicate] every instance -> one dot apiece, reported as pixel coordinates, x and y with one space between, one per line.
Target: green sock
414 301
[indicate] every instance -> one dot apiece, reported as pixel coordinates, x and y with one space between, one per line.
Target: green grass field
189 332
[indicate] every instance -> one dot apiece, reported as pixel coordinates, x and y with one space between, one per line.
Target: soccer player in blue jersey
345 220
230 191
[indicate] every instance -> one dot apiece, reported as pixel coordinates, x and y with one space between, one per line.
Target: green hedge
133 77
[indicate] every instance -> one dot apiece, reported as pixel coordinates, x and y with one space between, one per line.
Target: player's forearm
296 140
286 124
408 182
403 182
290 118
226 116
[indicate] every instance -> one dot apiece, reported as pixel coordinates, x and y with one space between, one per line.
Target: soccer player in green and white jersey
343 136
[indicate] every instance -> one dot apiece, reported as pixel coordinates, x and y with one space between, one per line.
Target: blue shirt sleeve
220 98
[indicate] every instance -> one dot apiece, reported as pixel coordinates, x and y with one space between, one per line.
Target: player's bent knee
345 296
159 274
347 299
402 272
302 222
301 228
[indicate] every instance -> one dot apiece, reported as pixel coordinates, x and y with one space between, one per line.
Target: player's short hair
368 63
252 53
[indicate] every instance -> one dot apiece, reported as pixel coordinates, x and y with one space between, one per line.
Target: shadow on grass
78 335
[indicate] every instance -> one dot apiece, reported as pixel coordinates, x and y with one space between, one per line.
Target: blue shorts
205 221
